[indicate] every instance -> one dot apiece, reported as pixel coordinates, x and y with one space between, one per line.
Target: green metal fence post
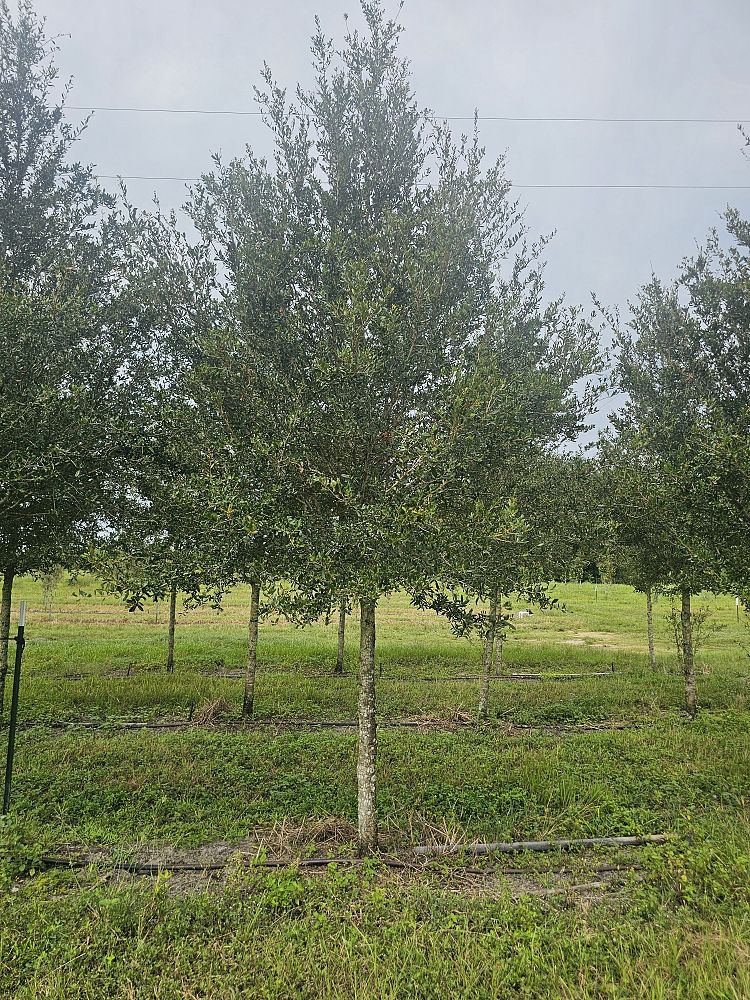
20 642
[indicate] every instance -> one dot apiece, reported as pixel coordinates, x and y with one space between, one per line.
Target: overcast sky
535 58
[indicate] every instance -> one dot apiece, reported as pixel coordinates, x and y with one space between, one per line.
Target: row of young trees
346 381
678 457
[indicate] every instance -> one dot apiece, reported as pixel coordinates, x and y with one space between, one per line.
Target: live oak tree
342 610
247 403
658 502
67 354
533 375
714 287
684 435
510 535
412 228
251 539
232 491
485 550
154 551
140 572
379 244
640 567
156 545
587 492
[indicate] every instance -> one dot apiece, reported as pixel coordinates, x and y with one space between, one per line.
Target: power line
143 177
455 118
582 187
598 121
644 187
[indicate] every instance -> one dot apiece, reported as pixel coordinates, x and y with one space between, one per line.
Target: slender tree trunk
5 604
650 628
688 655
499 646
170 633
366 802
342 635
488 651
497 656
252 652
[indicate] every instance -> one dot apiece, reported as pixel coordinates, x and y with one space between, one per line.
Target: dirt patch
454 722
599 640
218 866
310 848
603 640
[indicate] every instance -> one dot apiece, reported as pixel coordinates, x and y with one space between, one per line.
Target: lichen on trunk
252 652
488 655
650 628
367 747
341 637
170 634
688 654
497 658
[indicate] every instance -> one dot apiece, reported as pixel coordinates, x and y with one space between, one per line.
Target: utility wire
620 187
582 119
483 118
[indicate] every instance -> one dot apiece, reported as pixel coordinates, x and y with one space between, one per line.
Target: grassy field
560 758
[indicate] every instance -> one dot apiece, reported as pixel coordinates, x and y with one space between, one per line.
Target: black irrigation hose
236 675
437 679
145 868
238 725
420 851
474 678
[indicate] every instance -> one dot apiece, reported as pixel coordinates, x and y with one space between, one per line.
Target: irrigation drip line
239 725
236 675
420 851
146 868
509 677
435 679
541 845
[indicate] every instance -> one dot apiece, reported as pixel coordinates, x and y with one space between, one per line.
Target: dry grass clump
212 712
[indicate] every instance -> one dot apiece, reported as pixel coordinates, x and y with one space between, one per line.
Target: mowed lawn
562 757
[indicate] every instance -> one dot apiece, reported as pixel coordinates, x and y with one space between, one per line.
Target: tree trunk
366 804
499 646
488 653
170 633
497 656
252 652
342 635
5 604
688 655
650 629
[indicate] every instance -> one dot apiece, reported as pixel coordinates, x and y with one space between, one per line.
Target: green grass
76 652
346 935
680 929
193 787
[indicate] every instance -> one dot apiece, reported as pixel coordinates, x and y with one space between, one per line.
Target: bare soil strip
420 723
122 673
215 865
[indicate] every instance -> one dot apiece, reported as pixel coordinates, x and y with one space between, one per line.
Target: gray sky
537 58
